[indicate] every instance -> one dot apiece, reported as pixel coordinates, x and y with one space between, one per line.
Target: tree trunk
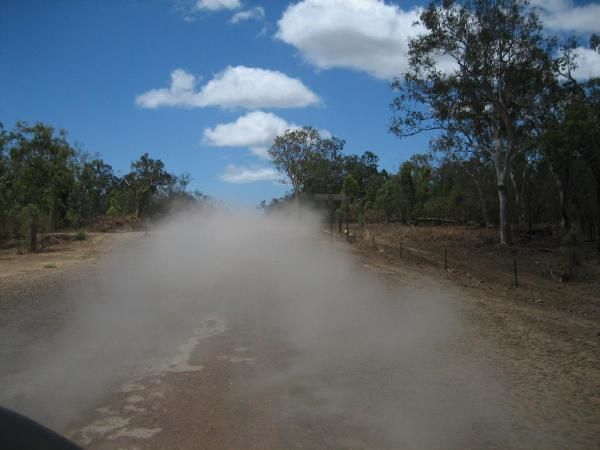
347 220
501 162
520 189
596 172
562 197
562 201
598 207
474 174
482 203
505 235
33 237
137 204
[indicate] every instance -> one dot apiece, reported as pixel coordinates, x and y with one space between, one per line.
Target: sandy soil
63 260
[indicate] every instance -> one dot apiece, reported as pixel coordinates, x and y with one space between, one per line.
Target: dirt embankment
550 274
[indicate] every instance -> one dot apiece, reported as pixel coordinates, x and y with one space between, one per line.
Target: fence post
330 207
515 271
445 259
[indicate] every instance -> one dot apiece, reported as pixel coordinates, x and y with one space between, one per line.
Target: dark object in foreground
17 432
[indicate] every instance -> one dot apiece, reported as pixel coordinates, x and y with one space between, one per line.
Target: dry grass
546 275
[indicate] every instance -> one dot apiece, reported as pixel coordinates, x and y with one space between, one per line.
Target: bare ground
63 259
475 259
549 358
210 395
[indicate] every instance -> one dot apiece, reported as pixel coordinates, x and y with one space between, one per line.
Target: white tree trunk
501 163
519 187
505 237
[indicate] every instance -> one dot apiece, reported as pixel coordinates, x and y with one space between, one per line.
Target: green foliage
350 188
503 71
112 212
80 235
46 183
308 161
388 201
73 218
30 214
38 159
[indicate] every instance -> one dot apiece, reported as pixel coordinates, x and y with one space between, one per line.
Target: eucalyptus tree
388 200
4 182
94 182
306 159
591 141
363 168
568 133
591 145
474 74
147 178
350 190
40 164
408 190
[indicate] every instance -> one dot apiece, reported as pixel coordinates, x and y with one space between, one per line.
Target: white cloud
588 64
366 35
255 130
252 88
235 87
563 15
256 13
179 93
216 5
551 5
242 174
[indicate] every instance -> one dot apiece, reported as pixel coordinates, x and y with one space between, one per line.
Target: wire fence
505 268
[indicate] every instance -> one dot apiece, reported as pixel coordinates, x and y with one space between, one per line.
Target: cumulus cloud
249 87
255 130
216 5
256 13
588 64
564 15
180 93
235 87
366 35
242 174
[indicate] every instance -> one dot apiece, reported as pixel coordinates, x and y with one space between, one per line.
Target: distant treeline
516 120
46 184
431 186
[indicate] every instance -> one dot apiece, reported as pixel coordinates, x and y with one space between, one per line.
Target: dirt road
414 362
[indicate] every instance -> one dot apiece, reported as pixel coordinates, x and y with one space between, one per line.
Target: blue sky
102 70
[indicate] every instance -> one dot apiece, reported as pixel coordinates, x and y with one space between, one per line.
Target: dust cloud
355 361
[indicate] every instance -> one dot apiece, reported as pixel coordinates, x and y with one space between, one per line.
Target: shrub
81 235
112 211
